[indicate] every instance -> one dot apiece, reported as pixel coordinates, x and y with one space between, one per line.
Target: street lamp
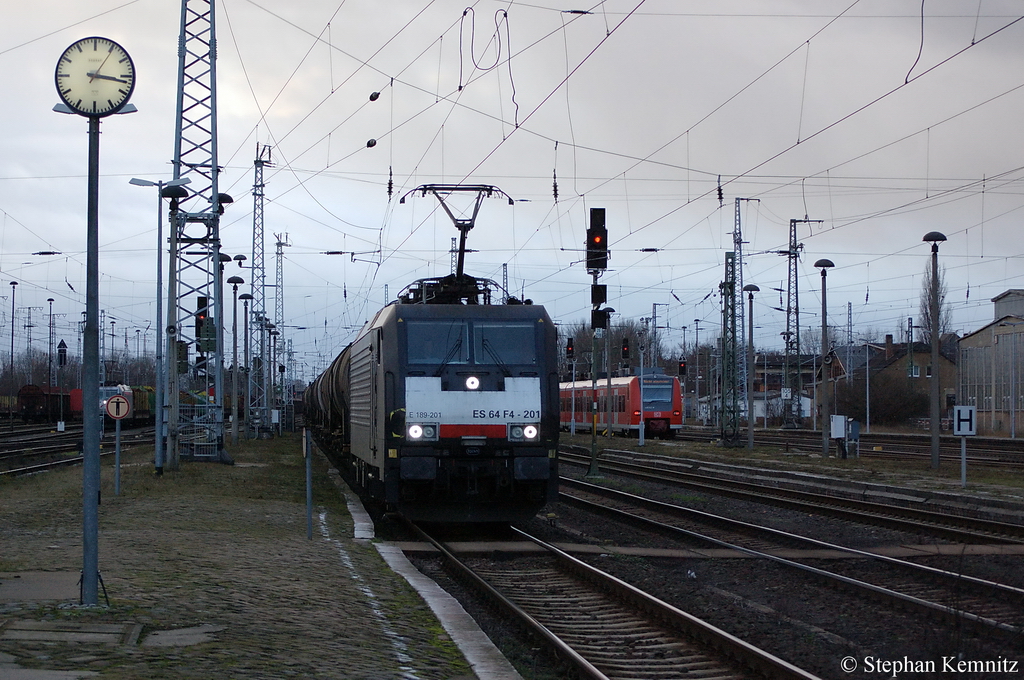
234 281
696 364
245 297
608 311
935 238
173 190
824 265
867 386
750 289
14 382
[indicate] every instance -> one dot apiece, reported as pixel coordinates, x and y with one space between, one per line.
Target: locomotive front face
474 441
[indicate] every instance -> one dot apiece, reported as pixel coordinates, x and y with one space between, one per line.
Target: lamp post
608 370
234 281
935 238
245 297
696 363
14 382
172 189
598 314
644 337
824 265
867 387
750 289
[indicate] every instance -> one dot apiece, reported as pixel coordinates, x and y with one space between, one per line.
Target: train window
657 393
507 343
437 342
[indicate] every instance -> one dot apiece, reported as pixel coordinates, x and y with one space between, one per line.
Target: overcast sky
877 124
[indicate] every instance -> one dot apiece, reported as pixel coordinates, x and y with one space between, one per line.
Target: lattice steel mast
737 302
258 416
792 376
730 355
195 292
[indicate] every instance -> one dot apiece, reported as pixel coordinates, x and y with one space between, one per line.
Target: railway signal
182 358
625 348
570 352
682 367
597 241
202 306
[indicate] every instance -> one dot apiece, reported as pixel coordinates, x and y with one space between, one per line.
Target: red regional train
662 405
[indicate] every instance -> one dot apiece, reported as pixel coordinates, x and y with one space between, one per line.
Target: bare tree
925 306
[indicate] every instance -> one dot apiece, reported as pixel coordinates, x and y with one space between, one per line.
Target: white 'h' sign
964 421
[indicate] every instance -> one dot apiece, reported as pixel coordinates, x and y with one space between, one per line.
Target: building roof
997 322
1015 292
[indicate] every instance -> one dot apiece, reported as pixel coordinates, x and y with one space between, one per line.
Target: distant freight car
142 400
43 404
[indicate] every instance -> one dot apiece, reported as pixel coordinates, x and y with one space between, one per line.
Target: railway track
984 451
606 628
959 600
671 471
19 455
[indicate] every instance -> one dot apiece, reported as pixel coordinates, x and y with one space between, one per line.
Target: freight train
660 410
50 404
445 406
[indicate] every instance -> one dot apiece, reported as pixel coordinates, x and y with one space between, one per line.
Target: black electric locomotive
445 407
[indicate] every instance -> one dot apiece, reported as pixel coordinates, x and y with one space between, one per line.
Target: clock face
95 77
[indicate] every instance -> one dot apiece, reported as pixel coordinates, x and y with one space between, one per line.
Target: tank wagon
445 407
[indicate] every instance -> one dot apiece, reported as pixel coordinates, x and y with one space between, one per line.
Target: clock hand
96 73
93 75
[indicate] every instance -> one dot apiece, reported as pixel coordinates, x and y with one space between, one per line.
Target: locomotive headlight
423 432
472 383
519 432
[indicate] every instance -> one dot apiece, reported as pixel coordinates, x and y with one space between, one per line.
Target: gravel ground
224 547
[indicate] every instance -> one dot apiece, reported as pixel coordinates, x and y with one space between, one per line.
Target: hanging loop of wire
500 21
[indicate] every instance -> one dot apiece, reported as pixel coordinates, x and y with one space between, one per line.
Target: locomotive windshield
438 342
506 342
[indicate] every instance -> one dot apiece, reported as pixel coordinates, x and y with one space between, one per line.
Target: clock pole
91 380
85 89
